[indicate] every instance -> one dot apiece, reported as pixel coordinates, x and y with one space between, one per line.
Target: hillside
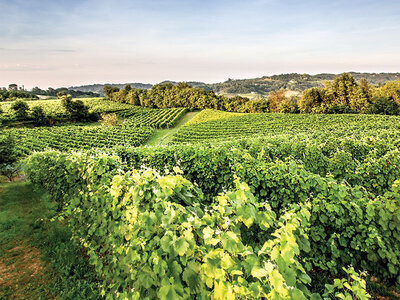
99 88
262 85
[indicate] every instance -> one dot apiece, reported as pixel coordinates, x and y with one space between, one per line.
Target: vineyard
136 126
214 126
54 107
238 206
66 138
158 118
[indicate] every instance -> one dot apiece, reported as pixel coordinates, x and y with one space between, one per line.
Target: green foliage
310 99
354 287
20 108
374 246
289 106
11 95
38 116
76 110
8 153
212 126
182 95
339 109
78 137
343 95
61 270
383 106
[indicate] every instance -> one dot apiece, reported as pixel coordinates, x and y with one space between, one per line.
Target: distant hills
261 86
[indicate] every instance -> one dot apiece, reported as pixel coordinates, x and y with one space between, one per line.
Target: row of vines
159 236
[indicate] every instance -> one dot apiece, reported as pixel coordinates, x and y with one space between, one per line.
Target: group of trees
75 111
342 95
183 95
9 95
54 92
345 95
22 112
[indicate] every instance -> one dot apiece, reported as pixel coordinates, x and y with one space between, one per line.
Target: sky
54 43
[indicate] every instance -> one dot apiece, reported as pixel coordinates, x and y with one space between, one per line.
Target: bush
8 153
21 109
339 109
289 106
109 119
383 106
38 116
77 110
8 157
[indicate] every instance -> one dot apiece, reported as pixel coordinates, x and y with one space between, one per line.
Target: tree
289 105
109 91
61 94
343 88
38 116
76 110
310 99
21 109
8 153
275 99
383 106
390 90
8 157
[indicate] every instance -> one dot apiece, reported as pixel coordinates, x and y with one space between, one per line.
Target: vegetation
183 95
56 113
110 119
37 258
345 95
236 205
258 86
75 137
211 126
238 245
11 95
54 92
20 109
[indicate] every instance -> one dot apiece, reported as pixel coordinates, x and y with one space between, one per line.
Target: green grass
164 136
37 258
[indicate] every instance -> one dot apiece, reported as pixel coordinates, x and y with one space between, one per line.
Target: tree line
345 95
342 95
10 95
168 95
53 92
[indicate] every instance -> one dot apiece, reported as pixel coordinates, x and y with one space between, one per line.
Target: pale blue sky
63 43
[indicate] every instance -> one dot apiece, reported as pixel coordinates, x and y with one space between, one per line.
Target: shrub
8 157
38 116
21 109
77 110
383 106
109 119
289 106
8 153
339 109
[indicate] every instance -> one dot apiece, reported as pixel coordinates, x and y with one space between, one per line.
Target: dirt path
164 136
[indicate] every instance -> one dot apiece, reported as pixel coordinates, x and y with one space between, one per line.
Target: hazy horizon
58 44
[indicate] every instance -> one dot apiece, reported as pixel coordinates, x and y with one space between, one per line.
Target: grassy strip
37 258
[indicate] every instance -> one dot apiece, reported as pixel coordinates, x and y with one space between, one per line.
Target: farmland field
136 125
214 126
223 201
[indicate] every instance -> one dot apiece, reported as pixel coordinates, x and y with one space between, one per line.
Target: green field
179 204
211 126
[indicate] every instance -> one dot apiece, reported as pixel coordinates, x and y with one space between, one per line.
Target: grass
37 258
164 136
